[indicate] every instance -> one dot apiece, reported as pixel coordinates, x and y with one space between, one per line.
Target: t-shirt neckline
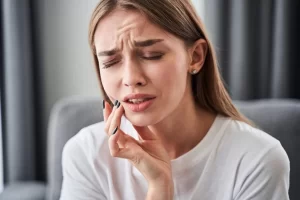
193 156
205 146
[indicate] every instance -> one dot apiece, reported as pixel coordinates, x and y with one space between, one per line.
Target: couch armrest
24 191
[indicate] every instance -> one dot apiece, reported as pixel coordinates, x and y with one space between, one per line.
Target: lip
140 107
138 96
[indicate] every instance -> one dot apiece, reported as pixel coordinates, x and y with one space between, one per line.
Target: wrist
164 179
166 193
163 190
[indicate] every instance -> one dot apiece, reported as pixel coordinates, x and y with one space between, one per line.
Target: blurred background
45 57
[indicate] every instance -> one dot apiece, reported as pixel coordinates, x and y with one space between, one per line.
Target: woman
172 132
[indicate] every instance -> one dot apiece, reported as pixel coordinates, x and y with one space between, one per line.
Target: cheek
171 76
109 83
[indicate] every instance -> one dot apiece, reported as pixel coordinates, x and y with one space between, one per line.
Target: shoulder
88 137
259 158
91 144
84 146
249 146
262 163
80 174
253 143
245 137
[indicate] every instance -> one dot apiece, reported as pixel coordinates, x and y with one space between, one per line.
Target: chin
141 119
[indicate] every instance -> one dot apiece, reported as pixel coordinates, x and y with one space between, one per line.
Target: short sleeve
269 178
79 179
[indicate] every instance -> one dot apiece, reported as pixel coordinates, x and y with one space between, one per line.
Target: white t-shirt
234 161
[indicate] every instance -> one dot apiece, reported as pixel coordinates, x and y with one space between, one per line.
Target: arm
269 179
79 182
148 154
161 192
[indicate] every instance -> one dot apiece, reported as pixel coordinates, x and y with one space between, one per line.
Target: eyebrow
147 43
108 53
144 43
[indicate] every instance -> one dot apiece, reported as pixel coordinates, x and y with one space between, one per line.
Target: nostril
133 83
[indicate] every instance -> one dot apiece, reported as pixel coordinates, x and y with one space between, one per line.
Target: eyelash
109 64
146 58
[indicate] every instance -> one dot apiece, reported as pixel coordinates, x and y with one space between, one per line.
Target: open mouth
139 104
138 101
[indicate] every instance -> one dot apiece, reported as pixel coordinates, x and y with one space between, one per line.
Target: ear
197 54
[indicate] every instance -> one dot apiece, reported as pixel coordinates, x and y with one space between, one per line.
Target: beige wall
200 7
64 60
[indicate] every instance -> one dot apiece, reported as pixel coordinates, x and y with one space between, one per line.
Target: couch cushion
68 116
24 191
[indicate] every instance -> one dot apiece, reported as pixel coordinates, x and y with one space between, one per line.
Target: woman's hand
147 154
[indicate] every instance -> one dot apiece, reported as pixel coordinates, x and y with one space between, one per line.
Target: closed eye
153 57
113 62
109 64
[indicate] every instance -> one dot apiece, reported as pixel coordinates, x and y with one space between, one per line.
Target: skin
173 124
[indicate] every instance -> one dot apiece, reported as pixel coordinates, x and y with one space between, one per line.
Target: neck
184 128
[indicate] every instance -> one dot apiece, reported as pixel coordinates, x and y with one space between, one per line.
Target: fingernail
115 130
116 103
103 104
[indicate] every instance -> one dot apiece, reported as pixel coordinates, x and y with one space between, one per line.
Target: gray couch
280 118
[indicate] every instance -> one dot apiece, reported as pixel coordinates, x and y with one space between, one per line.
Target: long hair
179 18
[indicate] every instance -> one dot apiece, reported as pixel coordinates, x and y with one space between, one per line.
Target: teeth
136 101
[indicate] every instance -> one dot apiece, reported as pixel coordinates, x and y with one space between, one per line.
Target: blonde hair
179 18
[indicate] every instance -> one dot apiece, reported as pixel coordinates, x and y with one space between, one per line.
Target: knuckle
136 158
114 152
106 129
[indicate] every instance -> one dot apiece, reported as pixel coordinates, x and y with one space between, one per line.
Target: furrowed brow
147 43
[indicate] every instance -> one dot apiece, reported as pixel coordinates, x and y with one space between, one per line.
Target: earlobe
194 72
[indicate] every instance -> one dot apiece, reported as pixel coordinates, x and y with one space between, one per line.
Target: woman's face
142 66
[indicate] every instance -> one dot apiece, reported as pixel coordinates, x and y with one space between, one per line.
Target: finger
113 142
145 133
107 109
112 110
116 117
118 140
108 121
124 139
133 154
129 151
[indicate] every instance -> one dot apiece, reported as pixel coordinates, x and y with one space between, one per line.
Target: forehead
122 23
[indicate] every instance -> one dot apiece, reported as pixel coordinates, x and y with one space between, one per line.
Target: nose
133 74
